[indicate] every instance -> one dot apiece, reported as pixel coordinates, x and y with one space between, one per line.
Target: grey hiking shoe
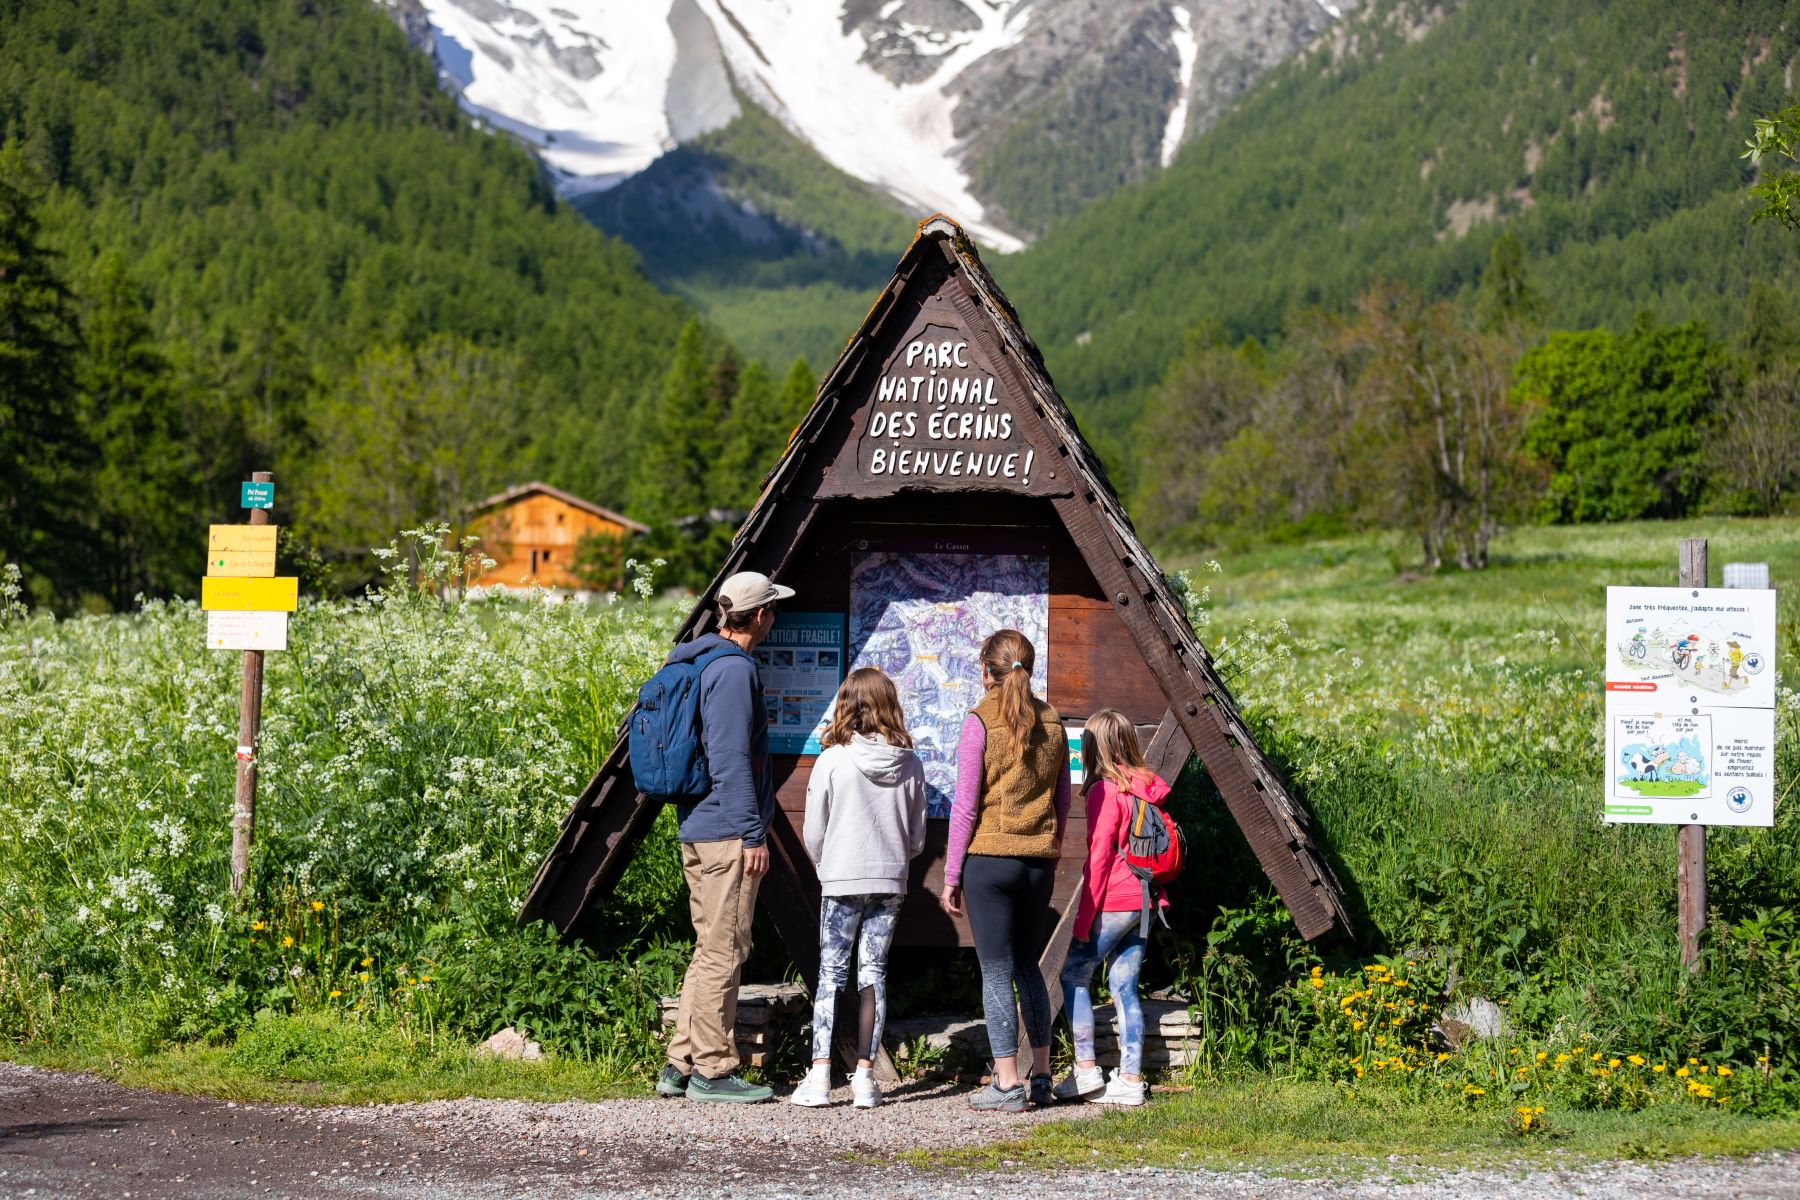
671 1082
728 1089
994 1098
1040 1091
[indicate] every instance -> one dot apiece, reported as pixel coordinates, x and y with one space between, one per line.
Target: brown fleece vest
1018 784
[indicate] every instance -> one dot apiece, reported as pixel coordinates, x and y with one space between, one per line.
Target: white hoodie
865 816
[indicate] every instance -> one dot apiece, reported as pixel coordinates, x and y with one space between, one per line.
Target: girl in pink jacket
1107 923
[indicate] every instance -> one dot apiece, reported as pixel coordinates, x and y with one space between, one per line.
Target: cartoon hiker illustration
1737 662
1646 764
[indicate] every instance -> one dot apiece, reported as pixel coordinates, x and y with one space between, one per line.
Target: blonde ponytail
1008 656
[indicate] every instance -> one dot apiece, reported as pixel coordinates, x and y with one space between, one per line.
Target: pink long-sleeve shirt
966 806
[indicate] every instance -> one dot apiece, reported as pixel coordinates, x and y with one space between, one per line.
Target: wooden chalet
858 473
532 531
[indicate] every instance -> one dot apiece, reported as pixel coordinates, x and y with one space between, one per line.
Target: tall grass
1446 733
416 755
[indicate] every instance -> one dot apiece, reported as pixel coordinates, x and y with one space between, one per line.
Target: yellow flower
1612 1062
318 906
335 994
364 977
1719 1100
1542 1055
425 979
368 962
1726 1072
288 941
1356 1025
1693 1062
1659 1068
1636 1060
259 925
1704 1070
1318 983
1594 1057
1561 1059
1579 1049
1317 971
1763 1058
1681 1072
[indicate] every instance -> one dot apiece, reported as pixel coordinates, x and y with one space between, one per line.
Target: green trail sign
257 495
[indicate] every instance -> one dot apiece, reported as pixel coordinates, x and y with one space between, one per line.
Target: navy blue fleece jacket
734 727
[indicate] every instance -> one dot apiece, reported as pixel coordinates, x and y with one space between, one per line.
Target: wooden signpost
939 489
1690 718
247 609
1690 840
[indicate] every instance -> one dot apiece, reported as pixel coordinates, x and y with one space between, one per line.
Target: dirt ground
69 1135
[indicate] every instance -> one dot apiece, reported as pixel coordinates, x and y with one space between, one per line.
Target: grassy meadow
419 753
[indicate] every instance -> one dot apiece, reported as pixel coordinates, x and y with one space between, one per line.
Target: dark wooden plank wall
1093 662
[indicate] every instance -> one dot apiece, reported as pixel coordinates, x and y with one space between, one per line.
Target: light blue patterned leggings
1115 936
866 922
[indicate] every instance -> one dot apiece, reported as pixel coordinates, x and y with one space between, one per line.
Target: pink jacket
1107 885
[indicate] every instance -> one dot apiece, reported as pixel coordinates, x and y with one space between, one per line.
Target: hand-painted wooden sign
250 595
240 550
233 629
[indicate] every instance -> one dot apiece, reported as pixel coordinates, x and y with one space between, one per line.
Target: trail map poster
801 664
1690 706
921 615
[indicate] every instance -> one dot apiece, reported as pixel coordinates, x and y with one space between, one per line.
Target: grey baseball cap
749 590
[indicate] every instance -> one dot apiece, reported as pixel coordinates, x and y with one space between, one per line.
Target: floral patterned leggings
867 923
1115 936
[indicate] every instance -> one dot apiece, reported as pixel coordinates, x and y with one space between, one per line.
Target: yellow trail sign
240 550
250 595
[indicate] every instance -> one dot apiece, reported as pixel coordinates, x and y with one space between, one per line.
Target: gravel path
73 1135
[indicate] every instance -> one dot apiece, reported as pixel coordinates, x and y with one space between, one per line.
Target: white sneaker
815 1090
1080 1082
1119 1091
863 1091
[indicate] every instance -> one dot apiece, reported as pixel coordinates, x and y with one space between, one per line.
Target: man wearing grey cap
724 843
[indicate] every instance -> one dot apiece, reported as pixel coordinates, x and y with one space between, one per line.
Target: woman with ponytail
1006 827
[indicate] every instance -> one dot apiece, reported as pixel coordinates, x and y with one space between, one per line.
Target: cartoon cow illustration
1646 764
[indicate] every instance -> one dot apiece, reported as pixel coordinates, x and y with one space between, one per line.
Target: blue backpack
668 759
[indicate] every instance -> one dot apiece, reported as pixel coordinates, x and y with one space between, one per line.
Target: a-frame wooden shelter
858 472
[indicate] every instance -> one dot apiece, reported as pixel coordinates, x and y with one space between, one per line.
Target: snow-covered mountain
996 111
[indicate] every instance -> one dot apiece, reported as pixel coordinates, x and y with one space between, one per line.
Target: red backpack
1154 849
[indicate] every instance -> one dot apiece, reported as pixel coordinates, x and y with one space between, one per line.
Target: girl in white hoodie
865 821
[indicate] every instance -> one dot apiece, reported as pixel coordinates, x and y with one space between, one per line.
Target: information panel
1690 706
801 663
921 616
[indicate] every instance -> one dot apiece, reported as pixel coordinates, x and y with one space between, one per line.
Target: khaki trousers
722 903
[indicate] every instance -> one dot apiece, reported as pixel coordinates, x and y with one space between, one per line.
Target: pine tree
1508 304
797 393
747 452
681 437
39 436
144 503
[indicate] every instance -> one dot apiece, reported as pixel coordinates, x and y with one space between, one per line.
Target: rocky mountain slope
1009 114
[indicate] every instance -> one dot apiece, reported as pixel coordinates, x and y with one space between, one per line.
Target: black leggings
1008 901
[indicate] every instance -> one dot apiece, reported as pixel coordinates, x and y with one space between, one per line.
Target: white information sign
1690 706
233 629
